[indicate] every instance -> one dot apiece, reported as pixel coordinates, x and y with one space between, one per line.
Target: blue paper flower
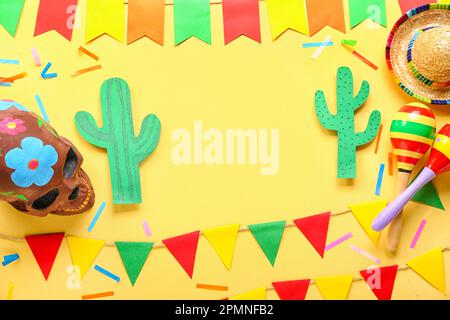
33 163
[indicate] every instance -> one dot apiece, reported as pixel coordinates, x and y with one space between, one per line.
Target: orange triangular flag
45 247
146 18
325 12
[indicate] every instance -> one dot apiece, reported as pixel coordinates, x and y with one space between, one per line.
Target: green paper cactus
125 150
344 120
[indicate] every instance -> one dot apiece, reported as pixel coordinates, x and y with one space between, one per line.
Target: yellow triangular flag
83 252
105 17
223 240
430 266
334 288
255 294
287 14
365 213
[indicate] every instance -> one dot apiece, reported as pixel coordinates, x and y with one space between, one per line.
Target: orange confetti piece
365 60
378 138
391 164
97 295
80 72
88 53
16 77
211 287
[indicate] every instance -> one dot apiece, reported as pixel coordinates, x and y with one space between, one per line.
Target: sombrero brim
397 51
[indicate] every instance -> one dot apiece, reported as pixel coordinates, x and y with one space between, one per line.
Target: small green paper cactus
344 120
125 150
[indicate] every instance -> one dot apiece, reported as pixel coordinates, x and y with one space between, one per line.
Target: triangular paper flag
10 12
325 12
105 17
83 252
429 196
292 290
268 235
223 240
184 250
134 255
255 294
430 267
365 213
360 10
315 229
381 280
192 18
45 247
287 14
334 288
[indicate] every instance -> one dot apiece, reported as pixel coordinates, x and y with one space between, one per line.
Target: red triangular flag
241 17
381 280
315 229
58 15
45 247
292 290
184 249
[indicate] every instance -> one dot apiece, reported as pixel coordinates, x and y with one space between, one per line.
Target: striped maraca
412 132
438 163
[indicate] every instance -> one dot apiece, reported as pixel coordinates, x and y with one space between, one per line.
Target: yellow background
241 85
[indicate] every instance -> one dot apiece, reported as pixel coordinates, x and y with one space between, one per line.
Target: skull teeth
86 199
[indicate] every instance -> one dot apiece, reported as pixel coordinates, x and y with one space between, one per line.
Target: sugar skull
40 171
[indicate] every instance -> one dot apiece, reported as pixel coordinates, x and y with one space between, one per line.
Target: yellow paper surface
223 240
430 266
365 213
334 288
105 17
241 85
83 252
255 294
287 14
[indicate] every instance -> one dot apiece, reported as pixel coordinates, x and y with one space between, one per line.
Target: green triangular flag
134 255
429 196
192 18
268 235
10 12
360 10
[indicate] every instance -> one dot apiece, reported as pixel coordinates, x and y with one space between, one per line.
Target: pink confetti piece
418 234
37 60
147 230
338 241
366 254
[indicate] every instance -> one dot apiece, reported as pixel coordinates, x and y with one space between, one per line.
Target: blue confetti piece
46 75
380 179
9 259
107 273
97 215
317 44
9 61
5 84
41 107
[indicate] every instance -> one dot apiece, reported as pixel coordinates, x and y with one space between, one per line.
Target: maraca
412 132
438 163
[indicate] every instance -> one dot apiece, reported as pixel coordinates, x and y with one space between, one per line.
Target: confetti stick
88 53
41 107
317 44
380 179
80 72
5 84
97 295
338 241
37 60
350 43
46 75
97 215
319 50
10 290
11 257
418 234
211 287
9 61
391 164
107 273
147 230
378 138
365 60
16 77
365 254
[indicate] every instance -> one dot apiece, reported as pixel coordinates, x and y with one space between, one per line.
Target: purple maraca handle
396 206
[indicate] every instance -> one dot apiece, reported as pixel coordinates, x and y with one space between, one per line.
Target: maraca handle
396 206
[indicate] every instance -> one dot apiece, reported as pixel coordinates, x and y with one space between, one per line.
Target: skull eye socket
46 200
74 193
71 164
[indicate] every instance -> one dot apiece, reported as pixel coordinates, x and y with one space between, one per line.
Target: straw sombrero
418 53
